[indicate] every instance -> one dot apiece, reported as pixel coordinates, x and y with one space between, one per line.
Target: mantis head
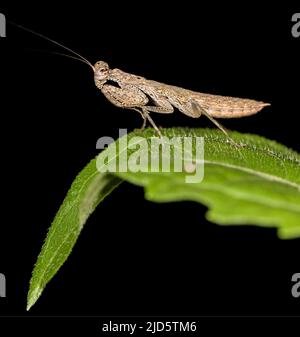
101 73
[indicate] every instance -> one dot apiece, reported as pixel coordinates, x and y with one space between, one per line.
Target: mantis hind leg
196 107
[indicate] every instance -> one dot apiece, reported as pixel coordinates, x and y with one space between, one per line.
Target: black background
135 257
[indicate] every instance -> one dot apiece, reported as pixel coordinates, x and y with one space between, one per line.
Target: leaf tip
33 296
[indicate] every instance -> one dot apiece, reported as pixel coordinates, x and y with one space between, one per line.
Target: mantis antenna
78 56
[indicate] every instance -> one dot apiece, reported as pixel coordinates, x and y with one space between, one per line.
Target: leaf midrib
257 173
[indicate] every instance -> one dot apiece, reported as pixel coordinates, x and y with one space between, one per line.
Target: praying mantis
129 91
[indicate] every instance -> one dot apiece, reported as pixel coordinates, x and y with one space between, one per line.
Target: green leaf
88 189
258 184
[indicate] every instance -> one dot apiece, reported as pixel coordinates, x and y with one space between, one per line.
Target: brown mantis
129 91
